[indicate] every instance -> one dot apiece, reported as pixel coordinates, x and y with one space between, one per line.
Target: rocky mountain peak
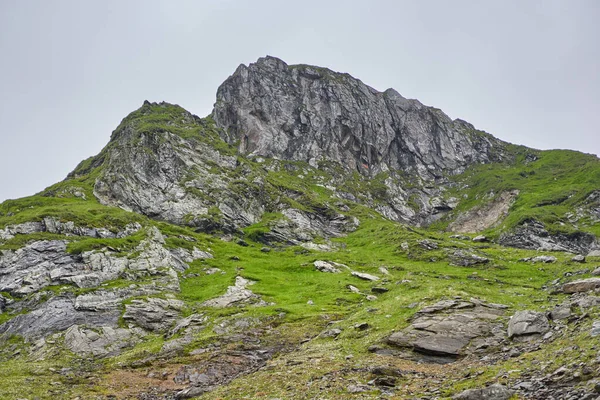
312 114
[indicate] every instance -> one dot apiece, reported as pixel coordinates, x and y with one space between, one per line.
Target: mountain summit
311 238
312 114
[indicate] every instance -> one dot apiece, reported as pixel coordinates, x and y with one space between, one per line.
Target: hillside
311 238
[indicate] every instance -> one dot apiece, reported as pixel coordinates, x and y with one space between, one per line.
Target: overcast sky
525 71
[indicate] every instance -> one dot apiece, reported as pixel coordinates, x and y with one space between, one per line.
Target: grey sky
525 71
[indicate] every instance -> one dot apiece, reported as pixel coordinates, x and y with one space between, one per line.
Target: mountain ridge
211 257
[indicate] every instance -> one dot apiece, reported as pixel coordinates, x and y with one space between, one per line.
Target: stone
492 392
353 289
56 315
331 333
580 286
235 295
451 329
544 259
464 259
441 345
428 244
526 323
560 313
578 258
533 235
266 118
596 271
364 276
154 314
324 266
595 331
100 341
480 239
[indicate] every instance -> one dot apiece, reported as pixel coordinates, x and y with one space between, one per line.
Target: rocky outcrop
56 315
154 314
533 235
306 113
53 225
101 341
47 262
452 328
583 285
237 294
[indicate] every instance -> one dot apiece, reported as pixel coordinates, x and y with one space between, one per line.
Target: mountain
311 237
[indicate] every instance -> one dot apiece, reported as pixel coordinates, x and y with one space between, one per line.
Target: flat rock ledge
452 328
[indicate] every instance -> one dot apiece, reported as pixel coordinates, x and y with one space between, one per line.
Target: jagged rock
583 285
533 235
306 113
154 314
441 345
492 392
53 225
324 266
595 331
56 315
106 300
100 341
237 294
527 323
365 276
464 259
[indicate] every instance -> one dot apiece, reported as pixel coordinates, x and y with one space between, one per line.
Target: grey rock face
452 329
526 323
58 314
311 114
44 263
154 314
162 180
493 392
533 235
53 225
101 341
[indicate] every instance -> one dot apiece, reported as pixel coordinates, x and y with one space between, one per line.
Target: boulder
583 285
364 276
526 323
324 266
